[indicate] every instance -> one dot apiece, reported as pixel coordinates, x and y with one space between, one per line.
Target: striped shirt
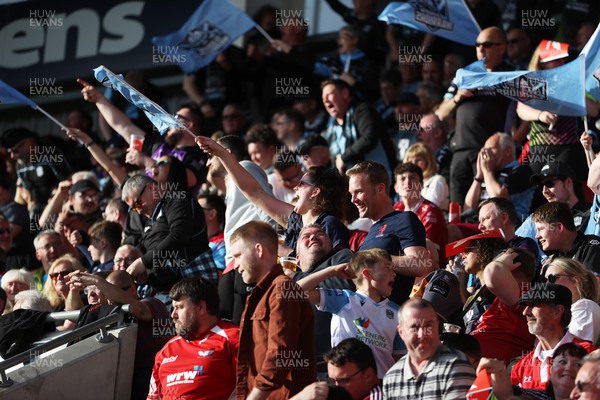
447 375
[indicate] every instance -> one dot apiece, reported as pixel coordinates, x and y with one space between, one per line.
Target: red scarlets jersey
432 218
197 369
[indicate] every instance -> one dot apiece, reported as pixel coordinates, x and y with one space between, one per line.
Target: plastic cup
136 142
289 262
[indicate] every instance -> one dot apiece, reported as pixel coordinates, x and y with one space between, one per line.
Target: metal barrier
99 325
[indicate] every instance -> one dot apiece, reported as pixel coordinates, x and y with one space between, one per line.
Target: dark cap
11 137
307 144
547 293
82 186
556 168
407 98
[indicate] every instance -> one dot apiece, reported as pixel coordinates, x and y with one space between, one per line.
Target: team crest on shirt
389 314
381 230
206 353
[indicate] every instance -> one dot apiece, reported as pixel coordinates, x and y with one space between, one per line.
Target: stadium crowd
292 241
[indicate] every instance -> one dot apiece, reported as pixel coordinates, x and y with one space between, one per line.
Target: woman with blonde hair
435 187
56 287
585 292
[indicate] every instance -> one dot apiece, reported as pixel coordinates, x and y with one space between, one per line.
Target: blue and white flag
450 19
558 90
591 52
214 26
161 119
10 95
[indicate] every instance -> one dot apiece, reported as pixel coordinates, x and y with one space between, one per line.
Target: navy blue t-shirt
393 233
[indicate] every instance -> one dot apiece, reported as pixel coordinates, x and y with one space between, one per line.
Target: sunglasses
552 278
137 204
54 276
161 163
549 183
179 116
345 381
303 182
487 45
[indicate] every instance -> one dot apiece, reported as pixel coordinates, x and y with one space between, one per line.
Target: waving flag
591 52
481 389
214 26
558 90
10 95
450 19
161 119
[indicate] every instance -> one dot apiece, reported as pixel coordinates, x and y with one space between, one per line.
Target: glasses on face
160 163
487 45
127 260
303 182
90 197
179 116
62 274
91 289
552 278
137 204
581 386
5 231
345 381
549 183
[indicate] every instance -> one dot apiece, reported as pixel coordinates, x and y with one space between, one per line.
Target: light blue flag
591 52
450 19
558 90
161 119
10 95
214 26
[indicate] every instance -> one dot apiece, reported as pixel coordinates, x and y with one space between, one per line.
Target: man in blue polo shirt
401 234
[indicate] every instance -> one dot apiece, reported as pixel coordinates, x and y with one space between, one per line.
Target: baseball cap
547 293
82 186
461 245
312 141
551 50
556 168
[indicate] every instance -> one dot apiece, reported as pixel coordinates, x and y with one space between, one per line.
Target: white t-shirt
355 315
279 191
585 320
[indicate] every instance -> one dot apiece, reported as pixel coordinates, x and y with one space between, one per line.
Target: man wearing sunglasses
558 183
479 113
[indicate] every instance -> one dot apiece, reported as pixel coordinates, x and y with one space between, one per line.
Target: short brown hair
553 213
367 259
109 231
374 171
257 232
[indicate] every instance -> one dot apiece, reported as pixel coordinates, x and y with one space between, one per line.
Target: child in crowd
365 314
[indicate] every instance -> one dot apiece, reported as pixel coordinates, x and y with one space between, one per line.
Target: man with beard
200 362
548 313
315 253
177 142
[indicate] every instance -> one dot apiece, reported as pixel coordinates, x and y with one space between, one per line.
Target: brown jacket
277 352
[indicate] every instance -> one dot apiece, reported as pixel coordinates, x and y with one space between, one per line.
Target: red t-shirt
432 218
502 332
198 369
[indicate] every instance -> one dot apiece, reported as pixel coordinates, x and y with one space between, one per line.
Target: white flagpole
57 122
177 122
589 153
264 33
347 64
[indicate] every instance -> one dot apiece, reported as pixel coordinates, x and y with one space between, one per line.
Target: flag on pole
10 95
214 26
161 119
450 19
591 52
559 90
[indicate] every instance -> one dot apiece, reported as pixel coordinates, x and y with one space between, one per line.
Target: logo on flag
205 39
433 13
524 88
